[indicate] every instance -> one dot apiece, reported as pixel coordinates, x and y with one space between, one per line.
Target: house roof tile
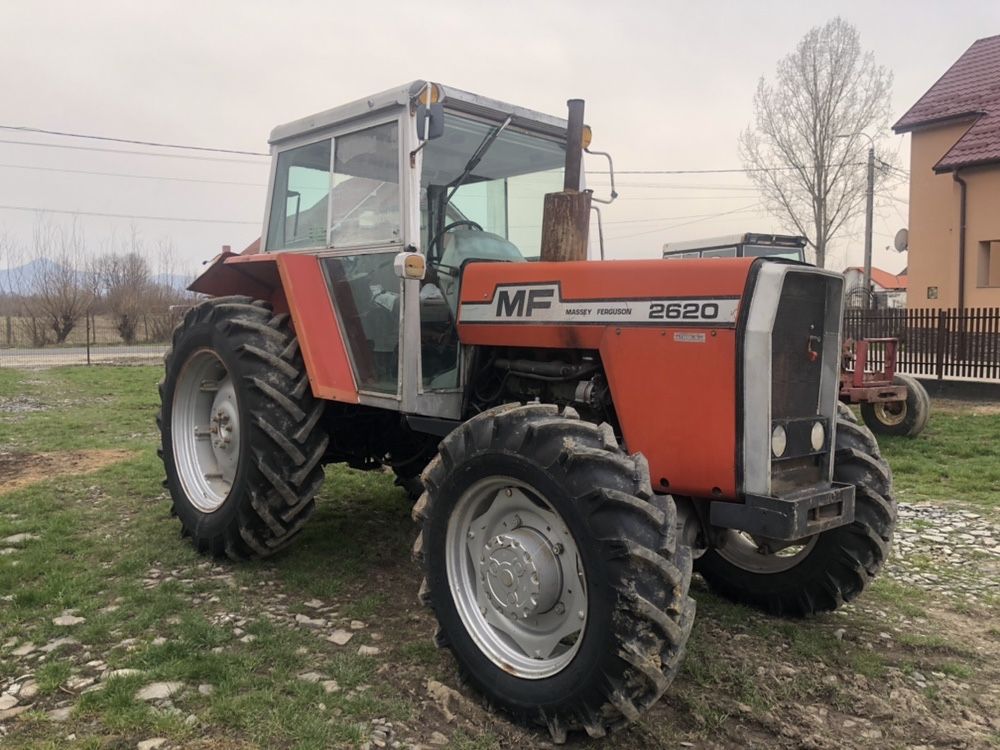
970 88
884 279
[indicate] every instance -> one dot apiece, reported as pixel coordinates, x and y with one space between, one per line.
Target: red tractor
582 433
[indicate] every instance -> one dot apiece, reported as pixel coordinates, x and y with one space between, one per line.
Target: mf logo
522 303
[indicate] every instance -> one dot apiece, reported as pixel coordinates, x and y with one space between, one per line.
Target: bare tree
10 285
22 314
804 148
58 293
125 284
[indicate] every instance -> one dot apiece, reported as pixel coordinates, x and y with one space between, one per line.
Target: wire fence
934 343
95 339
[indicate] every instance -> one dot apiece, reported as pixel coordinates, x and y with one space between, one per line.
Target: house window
932 292
988 264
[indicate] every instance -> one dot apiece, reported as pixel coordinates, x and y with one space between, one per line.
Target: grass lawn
956 458
236 636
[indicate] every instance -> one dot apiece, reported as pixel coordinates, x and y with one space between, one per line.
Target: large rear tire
824 571
241 437
902 418
553 570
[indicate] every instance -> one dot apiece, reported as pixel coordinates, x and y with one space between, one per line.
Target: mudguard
292 283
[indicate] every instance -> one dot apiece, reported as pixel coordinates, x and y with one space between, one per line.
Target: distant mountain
24 277
173 280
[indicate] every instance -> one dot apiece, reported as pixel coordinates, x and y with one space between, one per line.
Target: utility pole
869 209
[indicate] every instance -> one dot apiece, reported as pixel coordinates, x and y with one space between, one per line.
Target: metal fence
96 339
936 343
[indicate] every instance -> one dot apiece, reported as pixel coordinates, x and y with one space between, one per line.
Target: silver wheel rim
743 551
890 413
205 430
516 578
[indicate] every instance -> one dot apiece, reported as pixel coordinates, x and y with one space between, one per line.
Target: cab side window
300 204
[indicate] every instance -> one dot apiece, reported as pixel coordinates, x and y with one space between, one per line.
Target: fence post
941 337
88 338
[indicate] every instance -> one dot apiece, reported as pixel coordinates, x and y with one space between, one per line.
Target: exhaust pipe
566 215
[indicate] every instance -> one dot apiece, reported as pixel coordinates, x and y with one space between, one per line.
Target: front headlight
818 436
779 441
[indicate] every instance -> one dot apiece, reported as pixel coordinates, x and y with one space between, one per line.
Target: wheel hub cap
205 429
521 573
516 578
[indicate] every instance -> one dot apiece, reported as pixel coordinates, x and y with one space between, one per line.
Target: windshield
772 251
502 195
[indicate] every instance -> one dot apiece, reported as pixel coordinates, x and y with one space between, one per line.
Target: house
954 232
888 289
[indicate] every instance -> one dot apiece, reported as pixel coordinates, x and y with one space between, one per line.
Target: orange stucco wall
934 216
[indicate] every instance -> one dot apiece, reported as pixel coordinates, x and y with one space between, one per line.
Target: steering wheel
435 245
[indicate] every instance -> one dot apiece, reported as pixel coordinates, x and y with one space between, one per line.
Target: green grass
955 459
102 532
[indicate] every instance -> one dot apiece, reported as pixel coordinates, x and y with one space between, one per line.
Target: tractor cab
425 169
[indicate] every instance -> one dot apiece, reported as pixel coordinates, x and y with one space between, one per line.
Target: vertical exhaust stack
566 215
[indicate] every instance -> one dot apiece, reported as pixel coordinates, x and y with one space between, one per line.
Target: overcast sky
668 85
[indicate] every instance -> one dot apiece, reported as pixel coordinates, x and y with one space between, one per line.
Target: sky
668 85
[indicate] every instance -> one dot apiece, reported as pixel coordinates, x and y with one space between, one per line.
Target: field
113 632
15 332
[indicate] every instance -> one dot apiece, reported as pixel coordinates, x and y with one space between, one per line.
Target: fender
292 283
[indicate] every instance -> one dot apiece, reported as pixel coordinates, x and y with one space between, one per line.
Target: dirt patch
20 405
19 468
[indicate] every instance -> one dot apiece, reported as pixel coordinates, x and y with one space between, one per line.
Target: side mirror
430 121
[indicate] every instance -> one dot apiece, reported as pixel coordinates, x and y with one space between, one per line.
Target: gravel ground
953 551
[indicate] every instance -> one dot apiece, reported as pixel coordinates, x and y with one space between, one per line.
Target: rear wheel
241 439
826 570
906 418
553 570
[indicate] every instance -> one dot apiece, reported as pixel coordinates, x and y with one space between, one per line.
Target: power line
132 176
137 153
703 217
745 170
25 129
666 218
36 209
630 198
676 185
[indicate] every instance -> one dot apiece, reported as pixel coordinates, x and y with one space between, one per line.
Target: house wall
982 272
934 216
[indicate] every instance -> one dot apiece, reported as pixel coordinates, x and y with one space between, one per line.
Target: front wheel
828 569
553 570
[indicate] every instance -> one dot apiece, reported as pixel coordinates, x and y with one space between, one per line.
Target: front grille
798 330
791 357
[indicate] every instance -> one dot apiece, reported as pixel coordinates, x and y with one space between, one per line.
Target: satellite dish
902 240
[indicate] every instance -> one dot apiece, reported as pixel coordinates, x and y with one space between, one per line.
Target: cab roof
453 98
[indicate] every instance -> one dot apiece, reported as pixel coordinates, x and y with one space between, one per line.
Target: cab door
338 196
